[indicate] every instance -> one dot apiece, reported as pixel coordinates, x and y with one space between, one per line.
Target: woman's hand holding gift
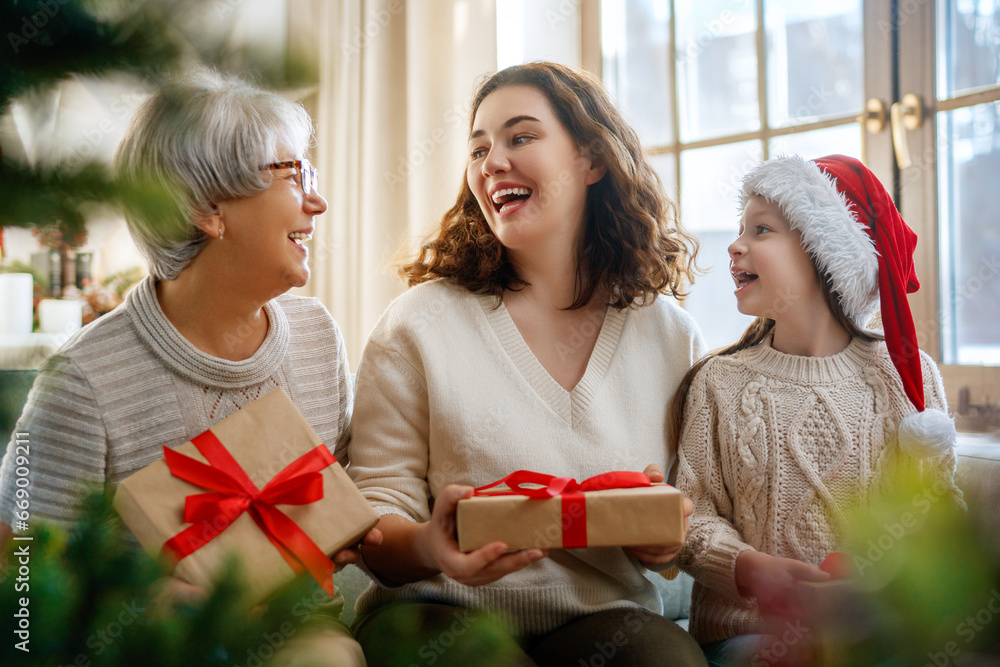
657 555
437 547
352 554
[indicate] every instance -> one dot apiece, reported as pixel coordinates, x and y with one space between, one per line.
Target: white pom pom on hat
927 434
851 227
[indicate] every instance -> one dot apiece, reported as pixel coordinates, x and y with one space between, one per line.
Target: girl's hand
352 554
437 548
774 581
655 555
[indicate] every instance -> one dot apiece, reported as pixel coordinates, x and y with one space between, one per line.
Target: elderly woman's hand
655 555
437 548
171 592
352 554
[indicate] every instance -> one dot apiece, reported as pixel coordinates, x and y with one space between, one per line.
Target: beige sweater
774 448
449 392
107 400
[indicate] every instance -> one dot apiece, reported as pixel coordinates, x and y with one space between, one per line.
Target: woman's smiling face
265 233
526 171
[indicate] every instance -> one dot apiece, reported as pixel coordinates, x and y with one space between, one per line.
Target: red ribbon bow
574 505
233 493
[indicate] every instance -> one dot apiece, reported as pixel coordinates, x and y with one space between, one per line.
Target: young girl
809 410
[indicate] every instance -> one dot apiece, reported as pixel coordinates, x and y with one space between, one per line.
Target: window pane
969 219
814 60
635 37
537 30
843 139
968 46
710 187
716 68
666 168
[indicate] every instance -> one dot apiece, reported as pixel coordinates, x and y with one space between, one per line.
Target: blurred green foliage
927 590
92 600
48 41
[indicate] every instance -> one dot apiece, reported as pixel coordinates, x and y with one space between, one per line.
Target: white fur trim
927 434
830 230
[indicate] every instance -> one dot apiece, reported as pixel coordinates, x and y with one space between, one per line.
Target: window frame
910 32
917 199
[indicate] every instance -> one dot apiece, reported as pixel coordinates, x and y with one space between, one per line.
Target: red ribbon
574 504
234 493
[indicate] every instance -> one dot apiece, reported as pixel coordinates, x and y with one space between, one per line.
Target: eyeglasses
307 172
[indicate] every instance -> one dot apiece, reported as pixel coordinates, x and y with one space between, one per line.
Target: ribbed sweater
448 392
105 402
773 451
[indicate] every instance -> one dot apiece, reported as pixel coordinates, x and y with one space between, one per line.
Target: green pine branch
48 41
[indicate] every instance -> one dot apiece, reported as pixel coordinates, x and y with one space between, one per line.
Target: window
712 88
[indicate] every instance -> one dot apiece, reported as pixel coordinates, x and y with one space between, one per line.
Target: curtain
395 80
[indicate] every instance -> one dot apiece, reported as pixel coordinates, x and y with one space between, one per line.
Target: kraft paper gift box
575 517
263 439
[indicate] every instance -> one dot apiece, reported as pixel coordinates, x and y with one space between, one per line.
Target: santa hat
851 227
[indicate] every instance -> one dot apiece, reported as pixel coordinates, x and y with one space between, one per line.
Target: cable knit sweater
449 392
773 450
106 401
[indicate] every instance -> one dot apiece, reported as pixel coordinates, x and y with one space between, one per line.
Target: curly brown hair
632 245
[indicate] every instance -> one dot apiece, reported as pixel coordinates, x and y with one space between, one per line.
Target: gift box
616 509
258 486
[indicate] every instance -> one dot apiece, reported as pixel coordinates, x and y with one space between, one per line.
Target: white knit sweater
107 400
774 449
449 392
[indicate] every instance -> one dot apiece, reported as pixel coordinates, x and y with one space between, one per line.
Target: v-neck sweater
774 450
104 404
570 405
448 392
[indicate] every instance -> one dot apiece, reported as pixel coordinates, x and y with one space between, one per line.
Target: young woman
534 338
798 419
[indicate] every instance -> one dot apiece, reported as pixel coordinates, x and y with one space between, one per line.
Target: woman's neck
221 322
552 280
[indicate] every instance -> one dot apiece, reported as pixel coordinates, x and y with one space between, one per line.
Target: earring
215 211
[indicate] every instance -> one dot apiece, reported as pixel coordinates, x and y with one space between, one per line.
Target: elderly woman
211 328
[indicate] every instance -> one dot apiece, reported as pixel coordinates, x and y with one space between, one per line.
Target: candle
60 316
16 294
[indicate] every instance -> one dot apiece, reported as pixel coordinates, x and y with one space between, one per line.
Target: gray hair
204 137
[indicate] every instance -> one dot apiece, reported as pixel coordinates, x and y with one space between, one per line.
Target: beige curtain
391 111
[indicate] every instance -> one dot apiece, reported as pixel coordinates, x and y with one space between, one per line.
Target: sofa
14 387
